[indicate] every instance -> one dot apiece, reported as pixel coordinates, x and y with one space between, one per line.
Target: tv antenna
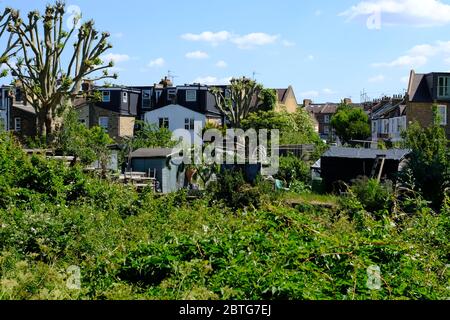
254 73
171 76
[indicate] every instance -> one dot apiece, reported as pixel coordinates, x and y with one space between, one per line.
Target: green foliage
429 161
141 246
149 135
232 190
88 145
374 196
351 123
293 169
269 100
295 128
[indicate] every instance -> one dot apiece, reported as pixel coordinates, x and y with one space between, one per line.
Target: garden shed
341 164
158 162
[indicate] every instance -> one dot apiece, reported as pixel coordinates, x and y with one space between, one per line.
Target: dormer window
191 95
171 94
125 97
106 96
444 87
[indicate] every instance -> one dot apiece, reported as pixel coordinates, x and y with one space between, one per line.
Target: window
189 124
1 99
374 127
158 94
125 97
146 98
326 119
444 87
171 94
106 96
227 94
164 123
442 111
191 95
17 124
386 126
326 130
103 122
82 121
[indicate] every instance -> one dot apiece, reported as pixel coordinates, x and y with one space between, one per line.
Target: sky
326 49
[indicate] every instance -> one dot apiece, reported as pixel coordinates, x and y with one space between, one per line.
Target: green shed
157 161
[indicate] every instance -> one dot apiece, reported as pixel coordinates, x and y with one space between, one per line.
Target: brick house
424 91
286 100
115 113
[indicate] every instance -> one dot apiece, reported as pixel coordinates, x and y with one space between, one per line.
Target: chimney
307 102
166 82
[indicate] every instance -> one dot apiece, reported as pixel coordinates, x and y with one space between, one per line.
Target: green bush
293 169
374 196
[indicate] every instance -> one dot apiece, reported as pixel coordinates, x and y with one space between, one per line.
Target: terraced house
425 91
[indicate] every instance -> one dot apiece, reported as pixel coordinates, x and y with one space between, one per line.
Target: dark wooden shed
341 164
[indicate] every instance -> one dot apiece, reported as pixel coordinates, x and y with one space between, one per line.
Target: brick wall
423 113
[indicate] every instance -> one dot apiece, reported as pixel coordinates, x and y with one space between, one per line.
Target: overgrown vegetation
138 246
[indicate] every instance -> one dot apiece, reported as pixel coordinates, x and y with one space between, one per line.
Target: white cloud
254 39
318 13
404 79
116 58
310 57
447 60
288 43
197 55
242 41
159 62
404 61
378 78
213 38
419 55
408 12
310 94
210 80
328 91
221 64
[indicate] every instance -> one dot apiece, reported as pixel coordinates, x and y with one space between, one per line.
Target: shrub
373 195
293 169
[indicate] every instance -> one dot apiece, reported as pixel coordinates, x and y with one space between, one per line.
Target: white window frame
189 124
171 92
443 115
164 120
326 129
374 126
17 124
102 124
108 95
158 95
445 87
193 98
326 119
125 97
149 99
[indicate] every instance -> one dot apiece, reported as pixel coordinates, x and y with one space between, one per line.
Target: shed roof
360 153
152 153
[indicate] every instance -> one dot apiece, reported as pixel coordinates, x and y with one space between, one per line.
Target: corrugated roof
360 153
152 153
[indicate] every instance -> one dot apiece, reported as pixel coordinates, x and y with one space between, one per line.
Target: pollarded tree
243 96
39 57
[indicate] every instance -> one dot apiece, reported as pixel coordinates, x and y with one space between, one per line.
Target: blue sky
325 49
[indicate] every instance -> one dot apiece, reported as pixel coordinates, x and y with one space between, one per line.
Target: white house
4 107
175 117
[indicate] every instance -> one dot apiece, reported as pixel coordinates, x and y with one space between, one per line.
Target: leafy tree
88 145
39 56
295 128
269 100
149 135
245 96
430 160
350 123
